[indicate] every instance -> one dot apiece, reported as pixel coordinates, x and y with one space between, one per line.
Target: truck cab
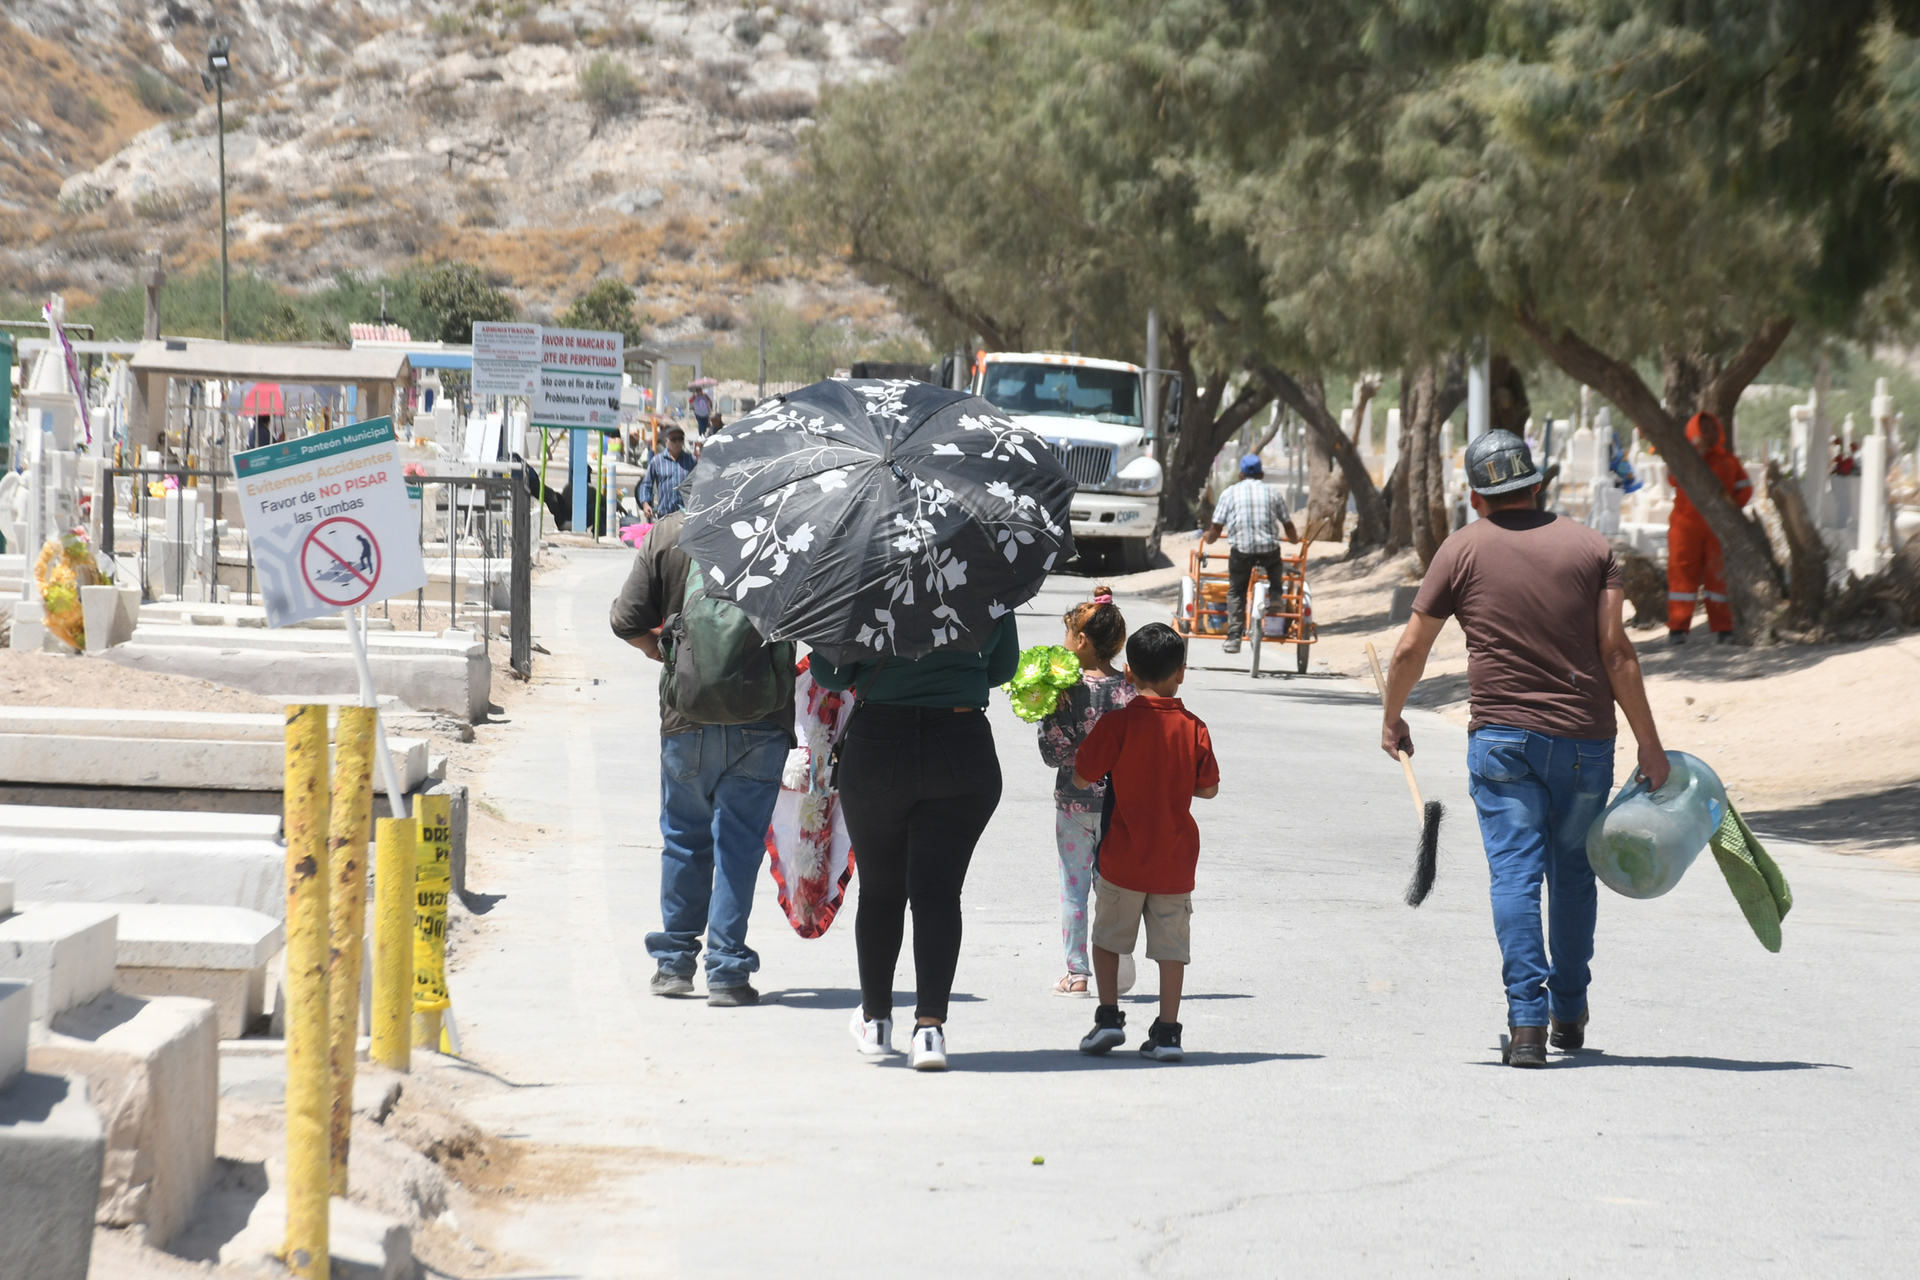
1090 414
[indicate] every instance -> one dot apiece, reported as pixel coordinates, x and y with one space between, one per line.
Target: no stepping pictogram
341 560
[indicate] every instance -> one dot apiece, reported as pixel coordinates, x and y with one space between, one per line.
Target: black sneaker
1723 637
1676 637
1163 1042
732 997
1109 1030
670 984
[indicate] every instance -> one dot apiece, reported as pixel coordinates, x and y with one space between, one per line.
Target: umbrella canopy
866 517
263 397
703 382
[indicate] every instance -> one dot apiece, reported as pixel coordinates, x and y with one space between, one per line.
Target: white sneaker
873 1038
1127 973
929 1049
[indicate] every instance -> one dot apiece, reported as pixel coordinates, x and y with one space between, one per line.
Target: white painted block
16 1012
6 897
229 873
40 821
65 949
154 1066
175 936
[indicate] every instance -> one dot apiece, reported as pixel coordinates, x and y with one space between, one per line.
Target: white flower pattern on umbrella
968 481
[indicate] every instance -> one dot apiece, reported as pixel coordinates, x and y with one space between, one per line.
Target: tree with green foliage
607 305
453 295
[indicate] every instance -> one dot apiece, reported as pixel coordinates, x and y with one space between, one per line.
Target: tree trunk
1806 549
1418 452
1508 406
1400 521
1204 427
1370 522
1326 486
1753 579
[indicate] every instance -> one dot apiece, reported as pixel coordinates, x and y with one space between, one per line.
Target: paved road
1341 1110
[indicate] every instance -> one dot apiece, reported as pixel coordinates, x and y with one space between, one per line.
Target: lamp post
219 64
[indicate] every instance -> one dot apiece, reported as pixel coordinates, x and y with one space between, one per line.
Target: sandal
1074 984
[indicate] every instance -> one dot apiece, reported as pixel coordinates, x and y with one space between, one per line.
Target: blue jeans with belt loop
718 785
1536 796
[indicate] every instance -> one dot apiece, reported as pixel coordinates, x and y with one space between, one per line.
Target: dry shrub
717 316
346 195
681 238
884 46
537 30
809 42
621 33
170 206
775 104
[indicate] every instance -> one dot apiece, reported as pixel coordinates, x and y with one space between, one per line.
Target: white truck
1089 412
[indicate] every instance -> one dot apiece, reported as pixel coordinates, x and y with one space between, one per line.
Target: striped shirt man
661 487
1252 513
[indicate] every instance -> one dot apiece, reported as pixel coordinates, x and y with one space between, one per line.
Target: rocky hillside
553 144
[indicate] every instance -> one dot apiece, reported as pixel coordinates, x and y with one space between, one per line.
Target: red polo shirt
1159 754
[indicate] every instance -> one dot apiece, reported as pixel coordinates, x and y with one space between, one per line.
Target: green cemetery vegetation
607 306
1650 199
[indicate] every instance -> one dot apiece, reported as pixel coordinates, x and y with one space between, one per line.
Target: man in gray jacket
718 784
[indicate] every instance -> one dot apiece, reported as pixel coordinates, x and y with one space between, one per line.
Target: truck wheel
1136 555
1300 661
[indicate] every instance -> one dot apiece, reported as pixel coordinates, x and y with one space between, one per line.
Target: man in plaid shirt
1252 515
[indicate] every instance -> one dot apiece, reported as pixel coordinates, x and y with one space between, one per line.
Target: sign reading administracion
579 379
329 521
506 358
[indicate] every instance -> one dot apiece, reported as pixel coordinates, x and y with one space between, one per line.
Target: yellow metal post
351 814
393 944
308 1085
433 881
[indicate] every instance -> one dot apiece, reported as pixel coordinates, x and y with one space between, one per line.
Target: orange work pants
1694 573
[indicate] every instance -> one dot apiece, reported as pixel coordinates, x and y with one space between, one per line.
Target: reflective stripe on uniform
1682 595
1714 596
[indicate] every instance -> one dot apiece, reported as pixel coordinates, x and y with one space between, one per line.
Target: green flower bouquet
1045 672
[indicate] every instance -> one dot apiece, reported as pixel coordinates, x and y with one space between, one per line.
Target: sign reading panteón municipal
579 379
329 521
506 358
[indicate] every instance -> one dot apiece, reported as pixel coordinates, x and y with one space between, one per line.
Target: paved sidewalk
1341 1110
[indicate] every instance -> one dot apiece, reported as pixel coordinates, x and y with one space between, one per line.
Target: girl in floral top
1095 634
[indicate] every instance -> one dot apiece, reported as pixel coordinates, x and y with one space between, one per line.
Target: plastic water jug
1646 840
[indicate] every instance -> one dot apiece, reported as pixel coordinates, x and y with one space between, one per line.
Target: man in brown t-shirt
1539 598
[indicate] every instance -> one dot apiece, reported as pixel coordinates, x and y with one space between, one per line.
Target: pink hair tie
1103 599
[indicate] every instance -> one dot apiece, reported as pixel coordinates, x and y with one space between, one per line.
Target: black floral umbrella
874 516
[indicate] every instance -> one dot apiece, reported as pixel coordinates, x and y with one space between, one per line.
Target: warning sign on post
330 522
579 379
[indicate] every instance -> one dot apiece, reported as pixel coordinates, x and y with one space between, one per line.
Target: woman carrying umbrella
893 526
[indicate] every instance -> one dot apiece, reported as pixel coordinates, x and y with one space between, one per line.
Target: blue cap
1250 465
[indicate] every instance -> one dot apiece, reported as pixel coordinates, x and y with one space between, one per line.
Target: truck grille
1090 465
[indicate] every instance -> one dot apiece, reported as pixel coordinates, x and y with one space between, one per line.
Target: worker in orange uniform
1693 553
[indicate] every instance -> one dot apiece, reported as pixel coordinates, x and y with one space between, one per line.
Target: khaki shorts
1117 914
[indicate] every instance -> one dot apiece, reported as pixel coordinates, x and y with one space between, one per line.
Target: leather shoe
1526 1047
1568 1037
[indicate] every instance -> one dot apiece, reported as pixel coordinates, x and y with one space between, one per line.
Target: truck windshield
1105 395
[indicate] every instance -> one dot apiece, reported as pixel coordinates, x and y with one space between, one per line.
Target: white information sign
579 379
330 522
506 358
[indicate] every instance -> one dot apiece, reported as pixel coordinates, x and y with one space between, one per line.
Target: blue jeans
1536 796
718 785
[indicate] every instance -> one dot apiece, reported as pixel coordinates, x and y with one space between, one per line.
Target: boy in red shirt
1160 759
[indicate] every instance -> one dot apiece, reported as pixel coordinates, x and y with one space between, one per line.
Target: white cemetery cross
332 528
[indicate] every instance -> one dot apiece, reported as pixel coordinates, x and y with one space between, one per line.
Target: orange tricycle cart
1279 612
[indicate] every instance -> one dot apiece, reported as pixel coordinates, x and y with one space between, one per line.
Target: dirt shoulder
1819 743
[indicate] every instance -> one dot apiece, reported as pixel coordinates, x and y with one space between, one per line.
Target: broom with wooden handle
1426 861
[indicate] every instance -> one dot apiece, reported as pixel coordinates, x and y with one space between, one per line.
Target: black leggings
917 787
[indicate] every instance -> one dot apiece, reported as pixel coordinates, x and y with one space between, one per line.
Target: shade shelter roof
268 362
